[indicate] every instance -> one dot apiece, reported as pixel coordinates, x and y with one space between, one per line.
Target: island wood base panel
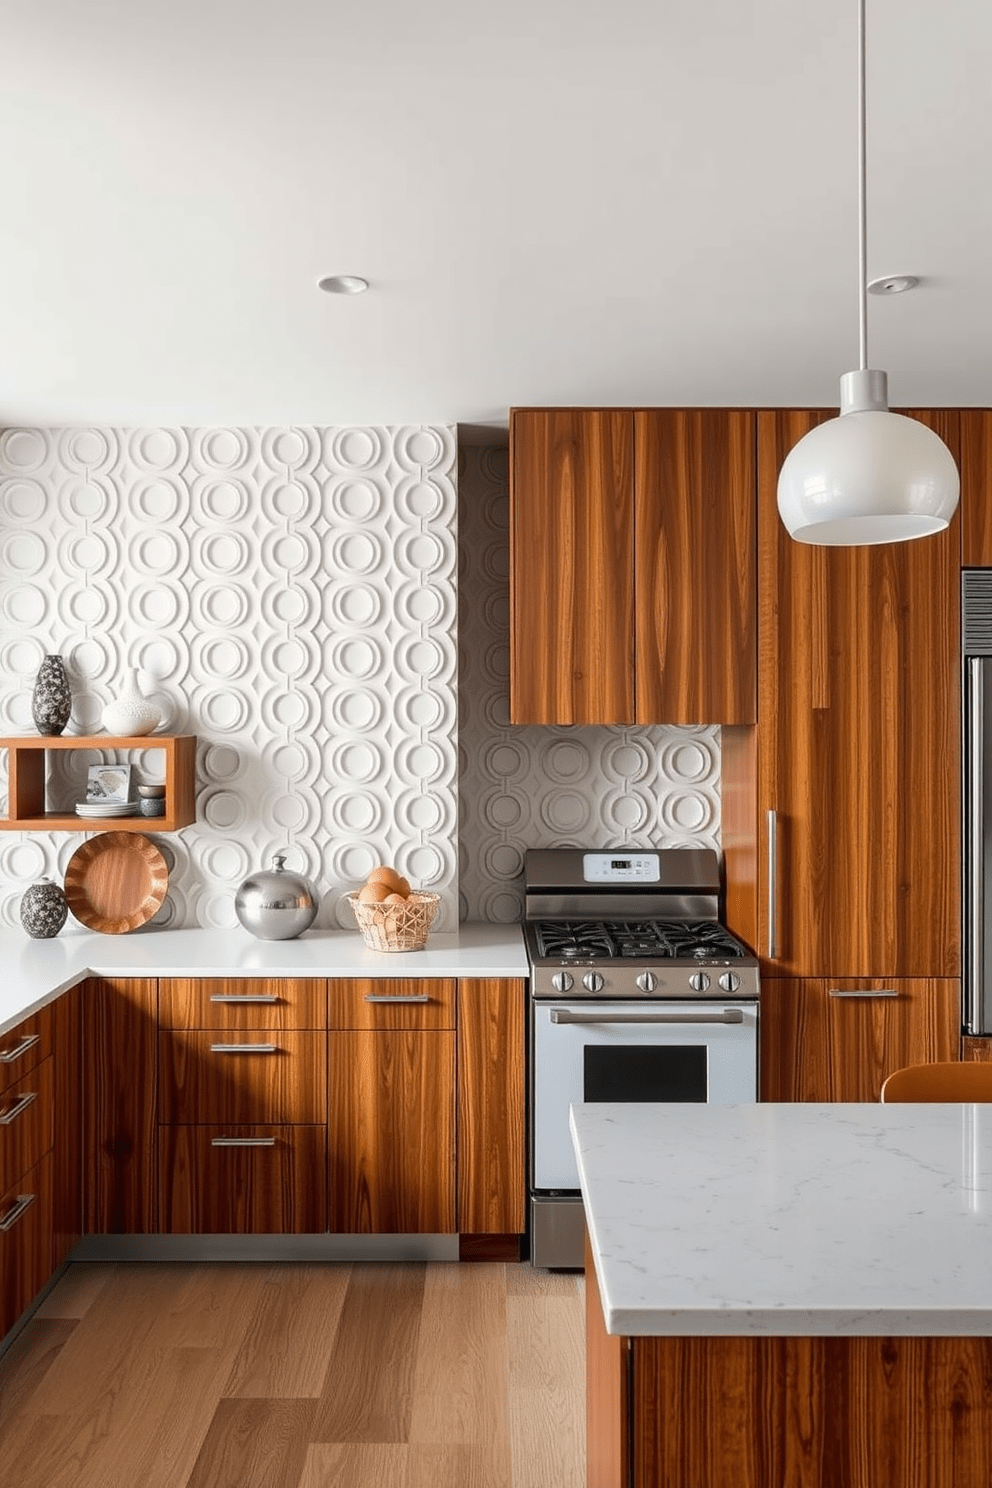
788 1412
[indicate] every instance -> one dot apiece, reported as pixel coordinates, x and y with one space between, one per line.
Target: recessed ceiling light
343 284
893 284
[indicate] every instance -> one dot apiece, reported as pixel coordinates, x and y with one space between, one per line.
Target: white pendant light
869 476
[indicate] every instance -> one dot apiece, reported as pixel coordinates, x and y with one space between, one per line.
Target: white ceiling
555 201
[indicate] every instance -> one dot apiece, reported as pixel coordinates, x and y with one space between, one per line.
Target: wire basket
396 927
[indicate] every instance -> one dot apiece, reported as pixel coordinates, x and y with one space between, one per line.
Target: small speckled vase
51 700
43 909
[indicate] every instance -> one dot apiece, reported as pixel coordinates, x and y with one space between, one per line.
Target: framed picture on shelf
108 783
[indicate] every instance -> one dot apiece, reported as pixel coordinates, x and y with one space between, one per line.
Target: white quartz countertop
35 972
836 1220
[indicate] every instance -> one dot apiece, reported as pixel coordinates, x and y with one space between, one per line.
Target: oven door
626 1051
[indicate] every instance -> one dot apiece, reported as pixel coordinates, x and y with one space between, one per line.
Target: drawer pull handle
244 997
864 992
385 997
8 1056
22 1202
242 1141
244 1048
9 1116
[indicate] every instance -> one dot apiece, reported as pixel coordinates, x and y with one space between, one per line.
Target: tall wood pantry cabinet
841 810
632 566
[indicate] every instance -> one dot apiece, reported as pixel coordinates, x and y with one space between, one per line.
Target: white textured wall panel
535 786
289 596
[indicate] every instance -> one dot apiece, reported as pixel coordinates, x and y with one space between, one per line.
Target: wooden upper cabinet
571 566
694 565
976 487
858 747
632 566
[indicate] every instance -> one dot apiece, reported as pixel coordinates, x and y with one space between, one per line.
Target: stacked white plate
102 809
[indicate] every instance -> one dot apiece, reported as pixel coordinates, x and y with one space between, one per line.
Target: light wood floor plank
368 1390
460 1384
527 1281
290 1337
546 1348
255 1444
28 1360
382 1465
73 1293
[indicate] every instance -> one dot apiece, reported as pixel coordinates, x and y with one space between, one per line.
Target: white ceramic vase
131 714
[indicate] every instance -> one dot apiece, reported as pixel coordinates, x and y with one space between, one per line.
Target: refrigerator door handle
974 1000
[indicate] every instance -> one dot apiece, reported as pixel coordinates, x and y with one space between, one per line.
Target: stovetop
631 924
652 940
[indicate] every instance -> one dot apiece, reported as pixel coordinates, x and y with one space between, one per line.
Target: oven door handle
727 1015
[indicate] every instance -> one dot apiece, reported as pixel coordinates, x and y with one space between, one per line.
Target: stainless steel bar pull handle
8 1056
18 1107
243 997
726 1015
23 1201
384 997
974 989
242 1141
772 885
863 992
244 1048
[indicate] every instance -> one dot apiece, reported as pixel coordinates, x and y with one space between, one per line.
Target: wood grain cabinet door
243 1180
694 566
209 1076
571 566
491 1077
976 487
119 1018
391 1132
25 1241
838 1039
859 754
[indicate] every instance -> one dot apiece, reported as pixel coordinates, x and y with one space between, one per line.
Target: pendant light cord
862 192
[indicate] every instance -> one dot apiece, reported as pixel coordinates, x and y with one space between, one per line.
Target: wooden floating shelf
27 771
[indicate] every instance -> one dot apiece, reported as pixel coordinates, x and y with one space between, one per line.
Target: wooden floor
293 1376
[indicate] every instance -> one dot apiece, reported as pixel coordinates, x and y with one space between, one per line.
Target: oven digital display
607 868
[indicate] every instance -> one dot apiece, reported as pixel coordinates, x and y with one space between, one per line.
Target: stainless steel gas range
638 993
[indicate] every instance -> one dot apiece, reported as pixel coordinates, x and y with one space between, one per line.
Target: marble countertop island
817 1220
35 972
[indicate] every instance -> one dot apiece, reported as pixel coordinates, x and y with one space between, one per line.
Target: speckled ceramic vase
51 700
43 909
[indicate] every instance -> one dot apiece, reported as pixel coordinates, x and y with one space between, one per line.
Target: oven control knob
730 981
699 981
561 981
647 981
592 981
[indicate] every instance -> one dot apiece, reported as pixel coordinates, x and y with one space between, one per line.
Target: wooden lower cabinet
391 1131
491 1139
25 1241
119 1135
242 1180
837 1039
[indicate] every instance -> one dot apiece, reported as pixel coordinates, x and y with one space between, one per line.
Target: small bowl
151 806
151 792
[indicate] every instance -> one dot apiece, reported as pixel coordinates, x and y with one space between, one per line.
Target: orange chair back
952 1081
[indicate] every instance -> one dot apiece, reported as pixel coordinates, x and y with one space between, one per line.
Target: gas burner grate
612 939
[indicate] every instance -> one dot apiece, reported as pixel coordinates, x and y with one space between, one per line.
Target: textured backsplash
288 595
536 786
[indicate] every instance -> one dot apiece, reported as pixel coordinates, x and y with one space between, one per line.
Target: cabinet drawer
391 1002
25 1046
25 1241
218 1002
27 1117
243 1180
268 1076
